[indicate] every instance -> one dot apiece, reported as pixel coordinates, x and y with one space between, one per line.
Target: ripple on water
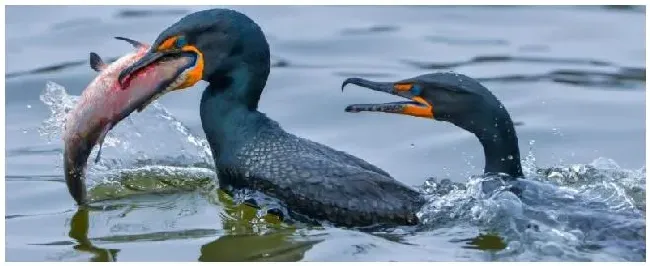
619 78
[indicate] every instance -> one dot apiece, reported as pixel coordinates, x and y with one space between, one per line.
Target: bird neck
497 134
229 113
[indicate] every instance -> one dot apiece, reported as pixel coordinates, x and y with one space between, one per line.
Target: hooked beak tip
386 87
343 85
347 81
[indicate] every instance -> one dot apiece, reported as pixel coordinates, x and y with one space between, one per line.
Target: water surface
573 78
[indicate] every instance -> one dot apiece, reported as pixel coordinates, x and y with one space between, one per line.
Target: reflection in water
247 235
251 235
610 76
487 242
252 247
79 232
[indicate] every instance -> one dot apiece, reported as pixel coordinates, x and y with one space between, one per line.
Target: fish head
175 49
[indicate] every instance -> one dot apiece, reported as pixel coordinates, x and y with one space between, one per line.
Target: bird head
221 41
450 97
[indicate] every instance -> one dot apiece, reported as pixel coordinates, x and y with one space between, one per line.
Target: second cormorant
460 100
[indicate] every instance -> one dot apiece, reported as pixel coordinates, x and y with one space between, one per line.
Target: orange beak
416 106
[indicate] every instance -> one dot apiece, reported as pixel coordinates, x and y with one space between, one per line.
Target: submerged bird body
251 151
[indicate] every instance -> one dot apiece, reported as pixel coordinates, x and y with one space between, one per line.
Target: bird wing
320 182
344 157
316 186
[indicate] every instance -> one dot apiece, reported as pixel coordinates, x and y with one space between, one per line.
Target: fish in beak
106 101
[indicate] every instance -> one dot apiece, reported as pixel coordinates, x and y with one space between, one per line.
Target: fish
105 102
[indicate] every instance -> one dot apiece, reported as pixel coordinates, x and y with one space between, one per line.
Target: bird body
251 151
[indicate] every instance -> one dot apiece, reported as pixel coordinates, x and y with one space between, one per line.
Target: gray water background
573 78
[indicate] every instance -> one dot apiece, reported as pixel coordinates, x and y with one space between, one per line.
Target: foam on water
575 212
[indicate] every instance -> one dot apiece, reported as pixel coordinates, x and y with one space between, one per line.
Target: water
573 79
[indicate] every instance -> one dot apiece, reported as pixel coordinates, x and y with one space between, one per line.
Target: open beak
416 106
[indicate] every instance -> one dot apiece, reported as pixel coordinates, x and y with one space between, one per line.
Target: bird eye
416 90
180 42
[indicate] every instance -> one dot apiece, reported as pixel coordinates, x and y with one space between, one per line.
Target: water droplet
556 131
510 157
531 142
29 106
24 131
412 145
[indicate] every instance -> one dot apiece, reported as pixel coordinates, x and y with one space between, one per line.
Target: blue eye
180 42
415 90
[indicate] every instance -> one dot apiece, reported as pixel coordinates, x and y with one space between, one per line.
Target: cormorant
250 150
458 99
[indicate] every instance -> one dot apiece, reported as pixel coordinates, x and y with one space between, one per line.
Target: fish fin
136 44
102 135
96 62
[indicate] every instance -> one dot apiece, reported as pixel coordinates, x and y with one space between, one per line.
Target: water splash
578 212
59 103
146 146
